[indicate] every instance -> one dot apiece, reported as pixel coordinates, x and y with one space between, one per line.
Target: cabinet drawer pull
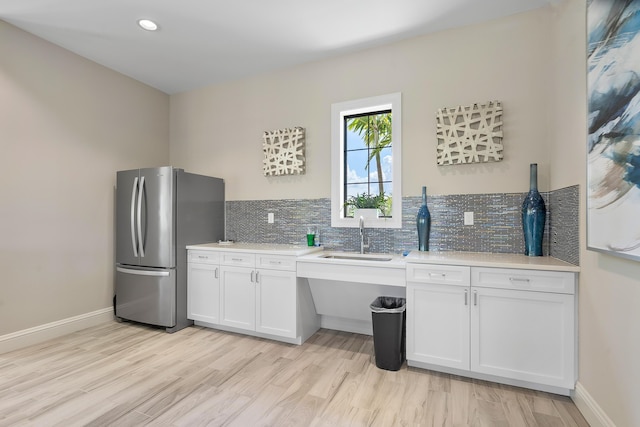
475 297
275 262
519 279
236 259
466 297
203 257
215 274
257 276
438 275
252 274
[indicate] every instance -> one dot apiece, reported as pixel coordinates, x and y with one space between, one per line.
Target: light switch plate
468 218
270 218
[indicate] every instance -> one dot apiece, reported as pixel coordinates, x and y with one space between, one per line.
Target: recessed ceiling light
148 25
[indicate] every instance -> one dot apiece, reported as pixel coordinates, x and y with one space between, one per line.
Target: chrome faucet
362 245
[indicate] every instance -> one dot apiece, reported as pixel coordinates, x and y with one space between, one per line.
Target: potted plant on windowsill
367 205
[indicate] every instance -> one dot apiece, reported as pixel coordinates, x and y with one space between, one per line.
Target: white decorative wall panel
469 134
283 152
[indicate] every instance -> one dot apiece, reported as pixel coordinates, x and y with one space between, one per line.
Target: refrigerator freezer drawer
146 296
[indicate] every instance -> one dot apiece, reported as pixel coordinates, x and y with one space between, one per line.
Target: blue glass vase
423 221
534 214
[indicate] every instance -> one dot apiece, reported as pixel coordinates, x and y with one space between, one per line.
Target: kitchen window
366 158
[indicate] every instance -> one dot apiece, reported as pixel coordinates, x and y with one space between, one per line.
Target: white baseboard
589 408
41 333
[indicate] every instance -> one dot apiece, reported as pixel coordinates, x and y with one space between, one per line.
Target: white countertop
486 259
275 249
472 259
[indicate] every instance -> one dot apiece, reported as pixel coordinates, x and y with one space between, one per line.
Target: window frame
373 104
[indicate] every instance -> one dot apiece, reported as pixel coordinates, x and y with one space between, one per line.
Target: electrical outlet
270 218
468 218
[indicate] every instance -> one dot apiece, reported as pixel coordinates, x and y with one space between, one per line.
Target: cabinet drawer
439 274
239 259
276 262
204 257
529 280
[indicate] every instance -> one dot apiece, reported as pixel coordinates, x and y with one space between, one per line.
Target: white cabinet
251 290
259 299
438 315
523 335
203 286
237 297
276 302
523 325
508 324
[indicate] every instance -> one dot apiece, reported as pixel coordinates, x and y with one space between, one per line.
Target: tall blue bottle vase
534 215
423 222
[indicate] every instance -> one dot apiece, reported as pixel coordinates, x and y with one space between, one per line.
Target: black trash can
388 316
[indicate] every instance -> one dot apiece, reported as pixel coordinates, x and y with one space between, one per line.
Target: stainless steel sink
357 257
347 267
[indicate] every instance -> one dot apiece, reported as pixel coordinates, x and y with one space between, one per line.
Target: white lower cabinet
438 325
276 302
251 292
523 335
203 287
438 315
510 324
237 297
259 300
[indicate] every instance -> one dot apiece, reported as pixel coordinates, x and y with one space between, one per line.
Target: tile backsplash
497 224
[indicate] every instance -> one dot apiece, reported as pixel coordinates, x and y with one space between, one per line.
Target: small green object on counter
311 238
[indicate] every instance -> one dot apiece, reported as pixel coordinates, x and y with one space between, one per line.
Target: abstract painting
283 152
470 134
613 141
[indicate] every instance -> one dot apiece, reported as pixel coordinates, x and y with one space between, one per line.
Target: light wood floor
123 374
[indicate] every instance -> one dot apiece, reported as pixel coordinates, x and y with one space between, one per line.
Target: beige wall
609 337
66 126
218 130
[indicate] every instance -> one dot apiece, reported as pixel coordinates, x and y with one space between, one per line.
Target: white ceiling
202 42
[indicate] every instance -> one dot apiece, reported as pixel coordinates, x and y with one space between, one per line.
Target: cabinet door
203 292
237 297
523 335
438 324
276 303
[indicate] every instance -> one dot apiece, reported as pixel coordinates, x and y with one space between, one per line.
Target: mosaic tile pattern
564 223
497 224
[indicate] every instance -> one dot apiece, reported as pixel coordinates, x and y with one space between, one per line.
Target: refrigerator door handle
140 241
133 217
142 272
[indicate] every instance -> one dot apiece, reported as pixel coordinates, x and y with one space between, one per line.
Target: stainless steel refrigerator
159 211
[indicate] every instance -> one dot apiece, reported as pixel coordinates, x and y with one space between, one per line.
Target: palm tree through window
368 158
